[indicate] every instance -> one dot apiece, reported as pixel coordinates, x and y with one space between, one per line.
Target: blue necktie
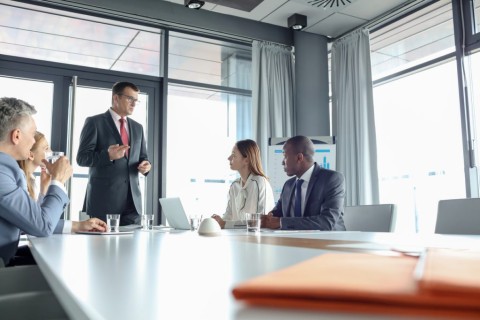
298 198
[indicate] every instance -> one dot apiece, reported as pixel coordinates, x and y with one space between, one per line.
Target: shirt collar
307 174
116 117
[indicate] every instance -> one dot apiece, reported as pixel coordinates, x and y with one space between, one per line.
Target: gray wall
311 72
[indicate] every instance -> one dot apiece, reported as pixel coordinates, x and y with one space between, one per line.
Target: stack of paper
357 282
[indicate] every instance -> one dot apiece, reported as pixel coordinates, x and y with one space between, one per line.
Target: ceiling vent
326 4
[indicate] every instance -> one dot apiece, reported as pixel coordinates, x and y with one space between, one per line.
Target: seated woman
251 193
37 153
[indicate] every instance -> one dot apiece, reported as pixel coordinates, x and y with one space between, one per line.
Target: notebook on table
173 210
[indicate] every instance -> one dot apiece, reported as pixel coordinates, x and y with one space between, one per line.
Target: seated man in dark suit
313 199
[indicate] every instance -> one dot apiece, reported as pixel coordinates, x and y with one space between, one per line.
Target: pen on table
420 266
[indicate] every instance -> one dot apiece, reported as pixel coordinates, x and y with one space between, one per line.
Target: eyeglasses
130 99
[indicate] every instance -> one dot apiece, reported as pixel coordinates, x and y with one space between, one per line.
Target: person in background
313 199
113 147
251 193
18 211
29 165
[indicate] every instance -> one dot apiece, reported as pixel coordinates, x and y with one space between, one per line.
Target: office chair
458 216
25 294
373 218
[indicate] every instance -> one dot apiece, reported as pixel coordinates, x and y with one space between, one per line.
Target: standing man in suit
19 211
313 199
113 146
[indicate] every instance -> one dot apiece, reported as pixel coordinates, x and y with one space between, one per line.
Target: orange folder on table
357 282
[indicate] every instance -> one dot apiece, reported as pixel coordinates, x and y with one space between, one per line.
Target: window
476 15
201 132
208 110
209 61
63 37
415 39
417 117
419 143
474 66
35 92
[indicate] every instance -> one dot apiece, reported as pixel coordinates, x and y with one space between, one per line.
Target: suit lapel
112 127
131 132
290 197
312 183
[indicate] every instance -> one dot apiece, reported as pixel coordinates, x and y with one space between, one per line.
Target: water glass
195 222
53 156
254 221
113 222
147 221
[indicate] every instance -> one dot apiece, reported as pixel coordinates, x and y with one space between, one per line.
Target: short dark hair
119 86
303 145
13 112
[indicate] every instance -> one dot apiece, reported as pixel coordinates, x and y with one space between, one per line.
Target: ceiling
331 22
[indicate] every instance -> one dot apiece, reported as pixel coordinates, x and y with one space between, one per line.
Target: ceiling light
297 21
194 4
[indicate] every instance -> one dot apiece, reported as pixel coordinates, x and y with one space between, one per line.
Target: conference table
183 275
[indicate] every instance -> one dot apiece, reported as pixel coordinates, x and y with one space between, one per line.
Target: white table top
182 275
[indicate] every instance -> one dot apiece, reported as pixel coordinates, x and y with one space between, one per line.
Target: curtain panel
272 93
352 99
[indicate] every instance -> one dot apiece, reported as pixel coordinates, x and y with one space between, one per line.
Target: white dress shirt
306 179
116 118
256 196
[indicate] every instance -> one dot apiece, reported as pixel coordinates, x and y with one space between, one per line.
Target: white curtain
352 95
272 93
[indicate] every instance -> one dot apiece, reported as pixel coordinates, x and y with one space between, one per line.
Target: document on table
359 282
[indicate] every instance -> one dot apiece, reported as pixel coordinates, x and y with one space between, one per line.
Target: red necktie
123 133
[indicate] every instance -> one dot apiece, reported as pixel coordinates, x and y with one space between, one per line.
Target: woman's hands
220 221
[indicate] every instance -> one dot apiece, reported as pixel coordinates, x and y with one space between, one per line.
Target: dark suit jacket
109 180
323 202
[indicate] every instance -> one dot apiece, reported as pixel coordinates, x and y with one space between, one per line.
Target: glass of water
195 222
113 222
254 221
147 221
53 156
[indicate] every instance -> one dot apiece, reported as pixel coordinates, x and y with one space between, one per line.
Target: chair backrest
458 216
374 218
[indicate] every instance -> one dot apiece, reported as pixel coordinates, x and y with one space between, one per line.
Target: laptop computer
175 214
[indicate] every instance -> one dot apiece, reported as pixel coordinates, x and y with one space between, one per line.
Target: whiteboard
325 155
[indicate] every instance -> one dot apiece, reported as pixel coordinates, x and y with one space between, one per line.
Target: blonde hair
23 164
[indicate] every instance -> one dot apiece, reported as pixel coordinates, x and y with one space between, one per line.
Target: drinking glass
254 221
113 222
53 156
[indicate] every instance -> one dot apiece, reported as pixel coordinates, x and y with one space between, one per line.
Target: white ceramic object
209 227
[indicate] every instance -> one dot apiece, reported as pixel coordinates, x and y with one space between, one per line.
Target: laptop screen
173 210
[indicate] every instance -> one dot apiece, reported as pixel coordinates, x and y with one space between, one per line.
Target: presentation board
325 156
